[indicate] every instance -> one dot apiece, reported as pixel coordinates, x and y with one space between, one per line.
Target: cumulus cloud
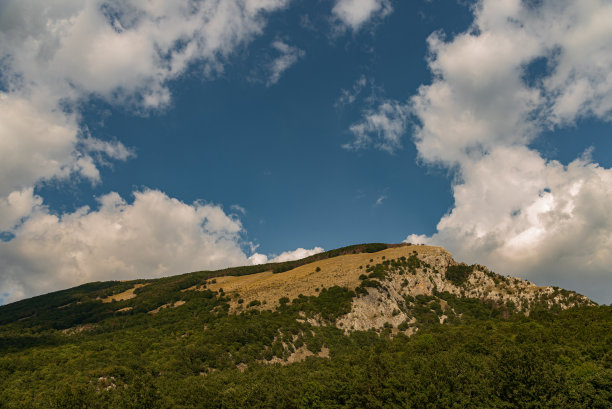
354 14
52 58
17 206
38 143
297 254
125 49
513 209
34 143
289 55
153 236
258 258
381 128
518 213
479 98
581 82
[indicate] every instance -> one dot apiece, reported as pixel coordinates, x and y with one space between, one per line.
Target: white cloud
354 14
514 210
154 236
258 258
34 143
54 57
17 206
380 200
348 96
297 254
517 213
381 128
479 99
125 49
581 83
238 208
289 55
38 143
113 150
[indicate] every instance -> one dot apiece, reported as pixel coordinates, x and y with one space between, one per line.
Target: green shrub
371 283
458 274
374 247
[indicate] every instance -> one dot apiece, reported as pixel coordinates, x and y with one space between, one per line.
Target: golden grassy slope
342 271
126 295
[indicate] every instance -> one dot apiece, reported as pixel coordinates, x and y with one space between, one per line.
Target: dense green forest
69 350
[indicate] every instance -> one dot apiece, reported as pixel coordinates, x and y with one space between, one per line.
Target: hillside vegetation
366 326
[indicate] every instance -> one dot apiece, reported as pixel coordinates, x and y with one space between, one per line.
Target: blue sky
150 138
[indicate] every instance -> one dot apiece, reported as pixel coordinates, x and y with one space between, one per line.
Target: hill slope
395 325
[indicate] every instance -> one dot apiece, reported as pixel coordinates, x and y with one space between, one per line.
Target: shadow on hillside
15 343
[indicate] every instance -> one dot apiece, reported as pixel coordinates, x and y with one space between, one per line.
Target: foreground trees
549 360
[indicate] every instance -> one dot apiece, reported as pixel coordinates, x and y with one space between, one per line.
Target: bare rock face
374 310
424 284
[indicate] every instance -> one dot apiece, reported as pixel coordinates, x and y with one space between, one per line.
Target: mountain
371 325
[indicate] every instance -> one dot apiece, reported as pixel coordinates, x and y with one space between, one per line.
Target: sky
140 139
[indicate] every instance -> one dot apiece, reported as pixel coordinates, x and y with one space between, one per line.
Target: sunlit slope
97 300
397 288
309 279
386 282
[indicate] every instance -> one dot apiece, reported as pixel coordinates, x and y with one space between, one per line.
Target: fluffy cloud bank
153 236
513 209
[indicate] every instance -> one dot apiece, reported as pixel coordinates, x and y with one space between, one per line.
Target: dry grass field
126 295
343 271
